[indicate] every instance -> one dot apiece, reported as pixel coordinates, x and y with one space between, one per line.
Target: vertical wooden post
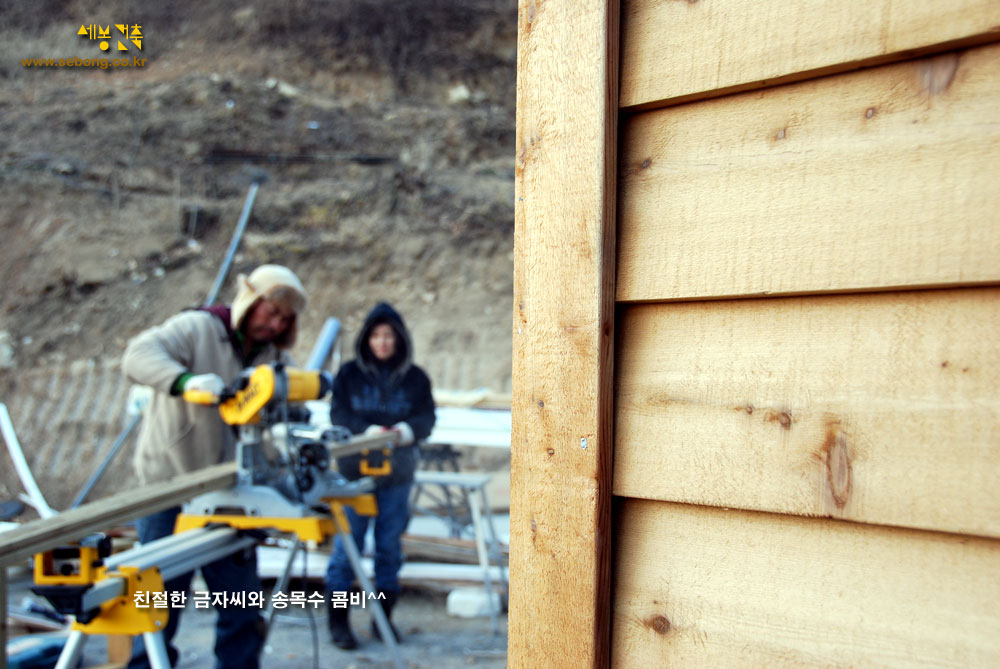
564 244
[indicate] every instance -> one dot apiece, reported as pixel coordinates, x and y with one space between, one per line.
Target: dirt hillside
384 136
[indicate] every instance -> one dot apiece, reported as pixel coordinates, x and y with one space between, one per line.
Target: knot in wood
658 624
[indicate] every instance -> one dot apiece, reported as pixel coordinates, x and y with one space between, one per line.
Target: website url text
102 63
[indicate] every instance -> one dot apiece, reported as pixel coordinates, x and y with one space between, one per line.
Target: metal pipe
282 584
156 650
72 651
381 621
241 225
99 472
324 344
36 497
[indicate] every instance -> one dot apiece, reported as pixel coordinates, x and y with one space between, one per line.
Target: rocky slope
383 132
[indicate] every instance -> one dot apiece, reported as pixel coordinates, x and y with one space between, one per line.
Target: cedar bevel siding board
879 408
873 180
820 187
562 339
704 587
680 51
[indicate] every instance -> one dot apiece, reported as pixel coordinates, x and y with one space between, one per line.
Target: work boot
387 606
340 628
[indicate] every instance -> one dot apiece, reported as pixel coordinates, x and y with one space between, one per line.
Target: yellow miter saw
283 465
284 483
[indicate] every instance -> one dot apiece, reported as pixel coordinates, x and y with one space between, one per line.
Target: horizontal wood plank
713 588
75 523
881 408
878 179
678 51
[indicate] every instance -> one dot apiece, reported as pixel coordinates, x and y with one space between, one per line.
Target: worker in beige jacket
204 349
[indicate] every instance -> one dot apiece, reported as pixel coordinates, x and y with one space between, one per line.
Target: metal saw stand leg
156 650
71 652
484 561
344 530
173 555
282 583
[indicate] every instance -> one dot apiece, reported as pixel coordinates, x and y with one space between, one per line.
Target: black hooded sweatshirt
369 392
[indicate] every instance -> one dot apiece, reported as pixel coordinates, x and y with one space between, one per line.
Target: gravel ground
431 638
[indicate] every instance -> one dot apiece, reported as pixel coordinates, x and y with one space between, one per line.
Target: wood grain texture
680 51
562 333
878 179
880 408
700 587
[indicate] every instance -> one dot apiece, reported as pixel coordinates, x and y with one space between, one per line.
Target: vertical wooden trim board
675 52
562 333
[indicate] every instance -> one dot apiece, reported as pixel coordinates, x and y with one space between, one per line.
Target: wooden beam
676 52
478 399
420 548
874 180
73 524
563 320
714 588
878 408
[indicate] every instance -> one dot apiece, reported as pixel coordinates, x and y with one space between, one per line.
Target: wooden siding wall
561 442
807 406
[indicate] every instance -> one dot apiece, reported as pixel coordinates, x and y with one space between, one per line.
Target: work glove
374 429
206 383
405 433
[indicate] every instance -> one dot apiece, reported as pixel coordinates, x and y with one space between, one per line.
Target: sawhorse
198 541
473 485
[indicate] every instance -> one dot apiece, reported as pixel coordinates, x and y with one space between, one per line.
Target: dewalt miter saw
283 465
284 483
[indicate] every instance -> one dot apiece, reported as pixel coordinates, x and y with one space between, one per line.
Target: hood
225 314
384 313
269 281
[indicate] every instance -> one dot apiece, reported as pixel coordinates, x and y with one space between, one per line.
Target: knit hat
271 282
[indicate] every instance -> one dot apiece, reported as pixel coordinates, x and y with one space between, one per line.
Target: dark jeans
390 523
239 631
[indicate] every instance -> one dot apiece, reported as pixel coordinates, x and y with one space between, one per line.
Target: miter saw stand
284 483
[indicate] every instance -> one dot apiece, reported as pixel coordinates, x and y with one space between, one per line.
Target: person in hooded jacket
203 349
380 389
